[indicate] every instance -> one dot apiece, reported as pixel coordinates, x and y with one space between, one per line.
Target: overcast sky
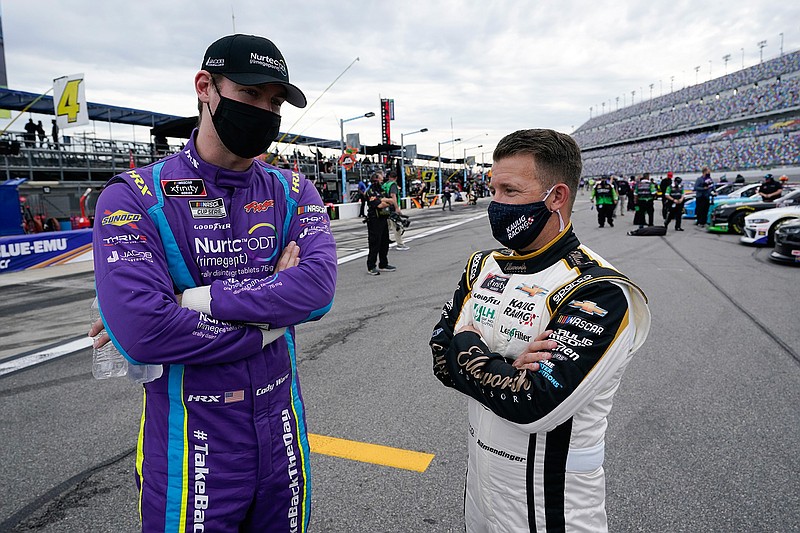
489 67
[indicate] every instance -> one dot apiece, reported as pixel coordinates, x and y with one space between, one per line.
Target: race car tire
773 229
736 222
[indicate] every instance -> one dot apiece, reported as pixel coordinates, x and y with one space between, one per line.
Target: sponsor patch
121 218
311 208
567 338
483 314
208 208
495 283
187 187
309 220
131 256
563 291
569 320
313 230
590 308
474 268
139 181
122 240
533 290
514 333
258 207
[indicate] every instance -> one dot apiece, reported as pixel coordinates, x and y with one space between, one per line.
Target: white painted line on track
363 253
80 344
20 363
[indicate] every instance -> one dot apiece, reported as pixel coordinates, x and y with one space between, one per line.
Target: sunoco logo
121 218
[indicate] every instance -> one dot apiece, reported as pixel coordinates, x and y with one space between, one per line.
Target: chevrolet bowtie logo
590 308
532 291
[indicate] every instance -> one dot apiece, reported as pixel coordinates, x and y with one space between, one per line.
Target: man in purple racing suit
205 261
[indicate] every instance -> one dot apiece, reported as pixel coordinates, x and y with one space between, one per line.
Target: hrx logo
203 399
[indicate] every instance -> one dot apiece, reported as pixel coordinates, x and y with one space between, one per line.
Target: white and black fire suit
536 439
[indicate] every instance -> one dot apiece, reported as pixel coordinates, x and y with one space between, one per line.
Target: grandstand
747 120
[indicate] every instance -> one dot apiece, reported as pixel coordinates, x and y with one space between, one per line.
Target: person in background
41 134
770 190
623 188
54 133
631 196
378 211
537 336
662 191
604 197
675 197
30 133
703 189
363 186
205 262
391 190
644 195
446 194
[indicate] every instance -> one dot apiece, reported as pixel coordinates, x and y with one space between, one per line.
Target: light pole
341 146
440 159
761 45
403 157
726 58
465 162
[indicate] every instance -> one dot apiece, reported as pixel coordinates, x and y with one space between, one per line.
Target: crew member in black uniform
674 196
644 193
604 197
378 211
770 190
662 191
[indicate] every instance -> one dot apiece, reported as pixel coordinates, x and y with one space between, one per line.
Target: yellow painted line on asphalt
370 453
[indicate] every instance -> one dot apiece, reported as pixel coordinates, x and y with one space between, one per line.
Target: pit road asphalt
703 435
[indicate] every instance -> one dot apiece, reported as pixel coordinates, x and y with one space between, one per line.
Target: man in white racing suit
538 336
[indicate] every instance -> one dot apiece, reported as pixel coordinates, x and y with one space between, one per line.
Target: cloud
489 66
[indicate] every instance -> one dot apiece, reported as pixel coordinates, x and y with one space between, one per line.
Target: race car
759 228
787 243
727 191
729 217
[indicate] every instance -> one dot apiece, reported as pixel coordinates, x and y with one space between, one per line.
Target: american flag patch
235 396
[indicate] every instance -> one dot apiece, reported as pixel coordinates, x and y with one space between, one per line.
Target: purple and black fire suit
222 444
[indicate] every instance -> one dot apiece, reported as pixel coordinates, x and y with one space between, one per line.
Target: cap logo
211 62
266 61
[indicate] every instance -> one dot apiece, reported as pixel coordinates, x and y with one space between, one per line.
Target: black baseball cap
251 60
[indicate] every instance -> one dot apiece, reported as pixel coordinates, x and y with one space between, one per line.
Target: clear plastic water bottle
144 373
107 362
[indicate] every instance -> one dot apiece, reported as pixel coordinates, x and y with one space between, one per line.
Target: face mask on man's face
245 130
516 226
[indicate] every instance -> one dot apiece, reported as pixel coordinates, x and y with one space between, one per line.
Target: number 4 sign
69 99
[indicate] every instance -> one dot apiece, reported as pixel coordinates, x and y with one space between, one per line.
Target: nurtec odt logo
267 61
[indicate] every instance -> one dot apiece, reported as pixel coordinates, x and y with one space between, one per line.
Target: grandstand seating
748 119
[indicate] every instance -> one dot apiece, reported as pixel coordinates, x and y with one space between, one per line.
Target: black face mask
518 225
245 130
